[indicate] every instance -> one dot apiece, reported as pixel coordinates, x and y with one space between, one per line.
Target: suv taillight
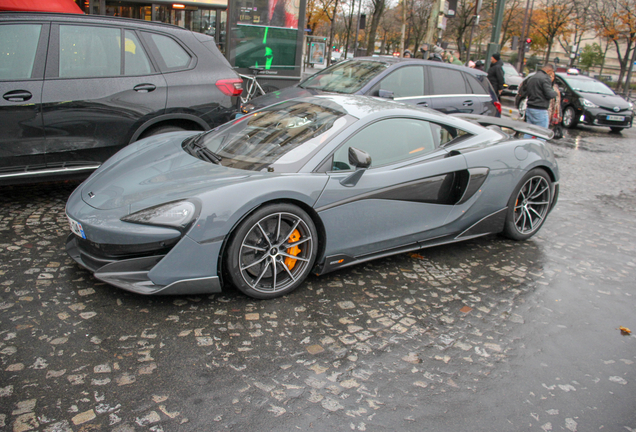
497 105
230 87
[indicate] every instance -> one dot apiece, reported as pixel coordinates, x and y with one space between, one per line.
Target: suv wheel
569 117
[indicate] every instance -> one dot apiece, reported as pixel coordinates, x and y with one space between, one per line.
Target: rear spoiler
504 122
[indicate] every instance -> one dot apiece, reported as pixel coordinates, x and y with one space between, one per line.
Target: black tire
261 261
528 205
616 129
569 117
161 130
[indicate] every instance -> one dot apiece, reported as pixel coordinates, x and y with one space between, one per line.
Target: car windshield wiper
202 152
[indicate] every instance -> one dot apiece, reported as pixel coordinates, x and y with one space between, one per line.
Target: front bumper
600 117
188 268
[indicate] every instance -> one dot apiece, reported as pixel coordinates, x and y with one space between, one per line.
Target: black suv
445 87
73 93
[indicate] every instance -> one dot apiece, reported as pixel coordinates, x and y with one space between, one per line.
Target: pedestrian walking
479 65
539 91
496 74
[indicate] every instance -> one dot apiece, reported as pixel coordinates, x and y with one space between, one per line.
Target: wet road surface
486 335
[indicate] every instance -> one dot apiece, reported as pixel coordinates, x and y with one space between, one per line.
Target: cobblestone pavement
484 335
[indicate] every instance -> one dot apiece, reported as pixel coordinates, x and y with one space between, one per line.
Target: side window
135 60
446 81
475 85
173 55
444 135
404 82
389 141
88 51
18 45
559 82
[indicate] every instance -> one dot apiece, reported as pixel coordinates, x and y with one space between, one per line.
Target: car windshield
510 70
278 138
346 77
589 86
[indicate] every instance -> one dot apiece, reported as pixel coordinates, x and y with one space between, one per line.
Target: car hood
153 174
513 79
282 95
606 101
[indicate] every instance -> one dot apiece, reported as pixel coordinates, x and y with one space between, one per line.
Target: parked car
312 184
588 101
73 94
441 86
512 80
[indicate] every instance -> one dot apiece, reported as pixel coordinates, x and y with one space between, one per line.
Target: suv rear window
475 85
447 81
173 55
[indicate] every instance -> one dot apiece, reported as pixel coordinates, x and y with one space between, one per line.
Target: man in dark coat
539 91
496 74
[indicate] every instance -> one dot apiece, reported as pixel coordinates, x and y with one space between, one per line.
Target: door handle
144 88
17 96
424 104
468 103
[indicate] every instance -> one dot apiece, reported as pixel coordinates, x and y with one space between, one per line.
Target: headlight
177 214
587 103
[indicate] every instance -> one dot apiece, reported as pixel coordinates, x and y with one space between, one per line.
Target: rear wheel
569 117
271 253
528 205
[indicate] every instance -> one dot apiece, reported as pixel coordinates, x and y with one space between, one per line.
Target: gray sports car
307 185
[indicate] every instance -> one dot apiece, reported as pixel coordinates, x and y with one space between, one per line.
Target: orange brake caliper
291 262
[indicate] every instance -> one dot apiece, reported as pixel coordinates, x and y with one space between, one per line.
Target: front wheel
616 129
528 205
273 250
569 117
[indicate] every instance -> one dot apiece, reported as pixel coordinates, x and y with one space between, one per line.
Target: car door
404 84
450 93
407 192
22 57
97 92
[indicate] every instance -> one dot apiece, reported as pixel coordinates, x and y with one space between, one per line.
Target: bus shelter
266 39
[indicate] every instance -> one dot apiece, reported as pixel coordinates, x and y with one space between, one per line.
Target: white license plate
615 118
76 228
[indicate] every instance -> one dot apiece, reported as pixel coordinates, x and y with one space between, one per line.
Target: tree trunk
375 21
333 21
547 54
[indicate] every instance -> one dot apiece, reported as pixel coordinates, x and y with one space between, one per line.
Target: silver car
307 185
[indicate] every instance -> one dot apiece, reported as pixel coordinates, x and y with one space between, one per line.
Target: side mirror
359 159
387 94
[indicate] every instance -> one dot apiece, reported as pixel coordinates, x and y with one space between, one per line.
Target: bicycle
254 88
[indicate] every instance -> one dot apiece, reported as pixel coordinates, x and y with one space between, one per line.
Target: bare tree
553 18
616 20
418 18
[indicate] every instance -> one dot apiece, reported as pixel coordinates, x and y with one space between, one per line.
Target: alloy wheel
532 205
275 252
